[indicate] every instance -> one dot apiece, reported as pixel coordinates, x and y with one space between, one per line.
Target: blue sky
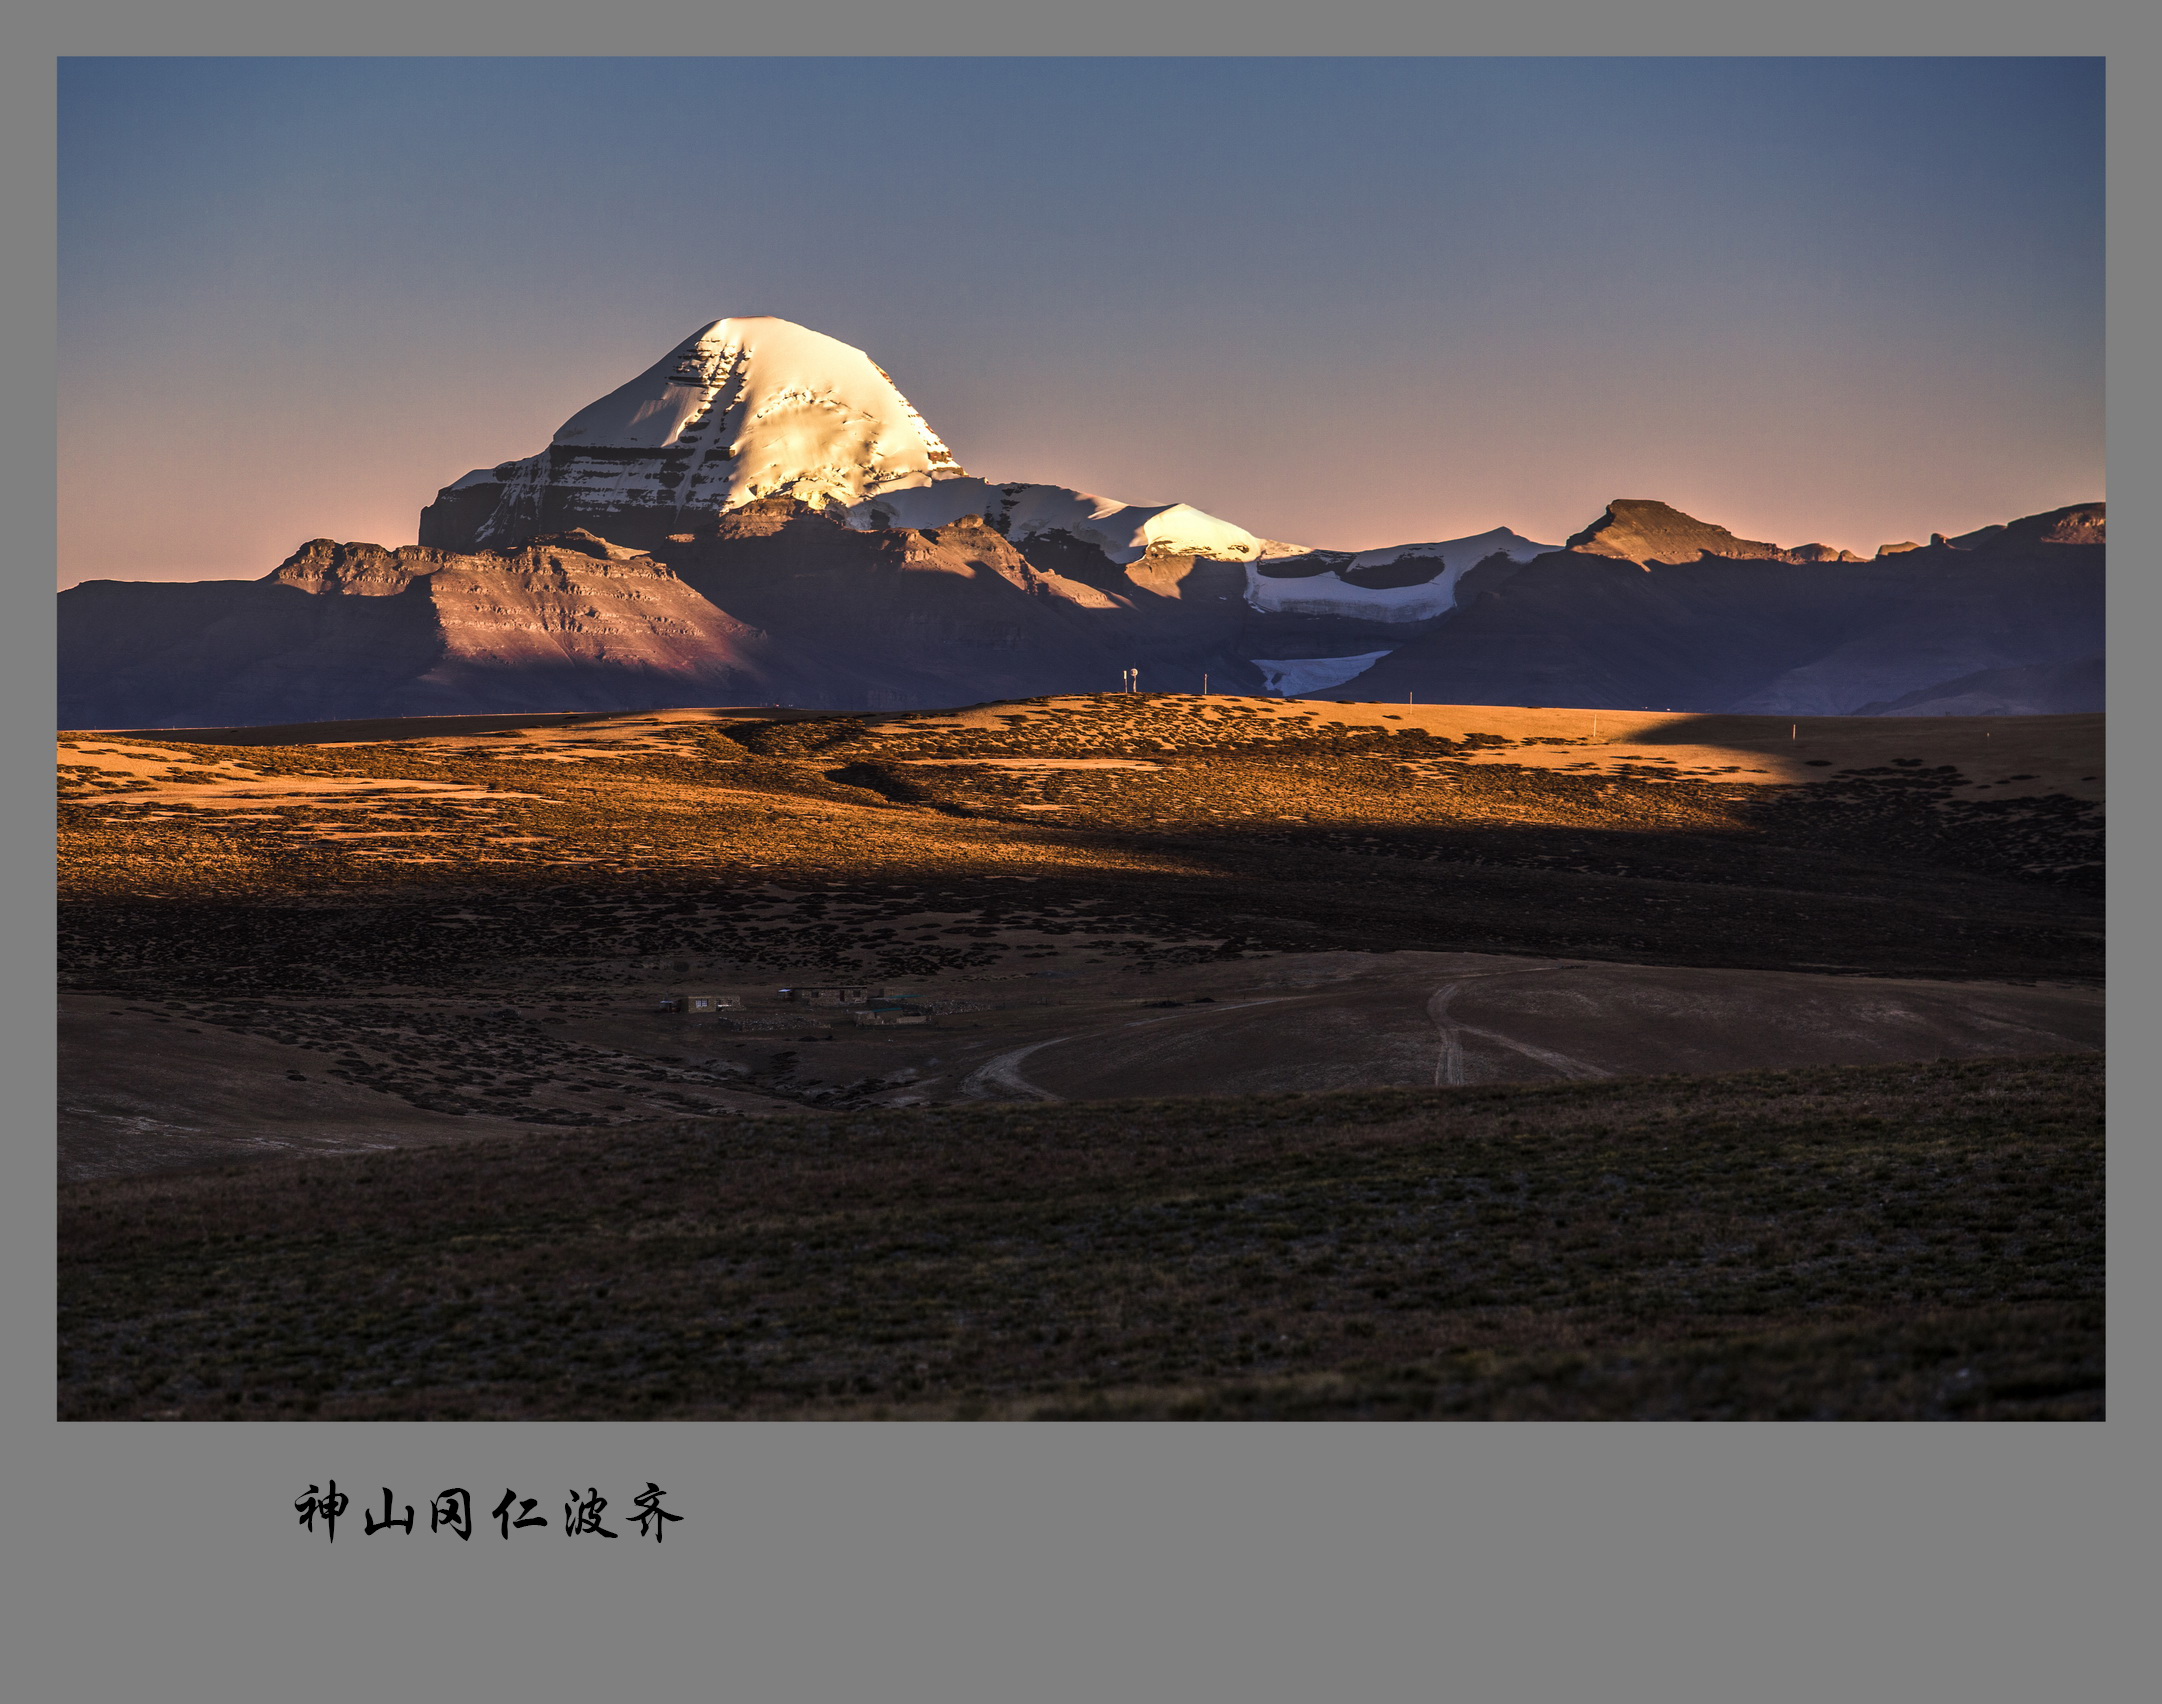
1347 302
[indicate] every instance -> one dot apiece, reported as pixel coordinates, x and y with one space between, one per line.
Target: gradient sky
1344 302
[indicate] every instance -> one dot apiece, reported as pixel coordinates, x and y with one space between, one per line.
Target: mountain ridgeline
762 517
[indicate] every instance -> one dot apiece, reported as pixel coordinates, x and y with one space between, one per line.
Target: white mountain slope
1124 532
739 410
1295 677
1329 582
774 408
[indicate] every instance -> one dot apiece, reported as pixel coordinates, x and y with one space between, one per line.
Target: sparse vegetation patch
1893 1242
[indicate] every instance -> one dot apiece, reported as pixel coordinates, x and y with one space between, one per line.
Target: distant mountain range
1915 628
761 516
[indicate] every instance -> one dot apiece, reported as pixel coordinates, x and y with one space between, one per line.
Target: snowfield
1323 590
1124 532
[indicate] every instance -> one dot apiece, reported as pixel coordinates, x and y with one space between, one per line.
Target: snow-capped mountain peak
769 408
753 407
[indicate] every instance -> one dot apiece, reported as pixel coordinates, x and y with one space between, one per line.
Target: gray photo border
1069 1561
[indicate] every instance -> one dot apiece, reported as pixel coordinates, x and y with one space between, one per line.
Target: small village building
692 1005
833 994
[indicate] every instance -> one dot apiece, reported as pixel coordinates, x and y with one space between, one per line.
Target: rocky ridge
761 516
1644 531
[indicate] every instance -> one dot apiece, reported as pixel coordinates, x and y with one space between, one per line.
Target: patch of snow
1289 677
1124 532
1325 594
1182 530
1329 593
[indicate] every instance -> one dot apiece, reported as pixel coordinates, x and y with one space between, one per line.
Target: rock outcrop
1640 530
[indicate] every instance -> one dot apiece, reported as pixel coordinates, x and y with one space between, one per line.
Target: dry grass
1898 1241
1883 1242
810 844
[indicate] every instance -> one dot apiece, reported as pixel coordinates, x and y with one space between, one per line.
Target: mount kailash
762 517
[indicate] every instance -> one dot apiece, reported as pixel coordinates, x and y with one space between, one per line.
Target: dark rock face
1057 551
630 493
1387 576
462 516
905 618
897 618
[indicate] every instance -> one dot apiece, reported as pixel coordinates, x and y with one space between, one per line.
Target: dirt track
1409 1019
341 943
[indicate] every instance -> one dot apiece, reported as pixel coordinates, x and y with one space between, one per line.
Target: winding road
1633 1018
1449 1064
1002 1071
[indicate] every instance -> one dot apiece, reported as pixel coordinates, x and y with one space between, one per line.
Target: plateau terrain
1201 1055
695 935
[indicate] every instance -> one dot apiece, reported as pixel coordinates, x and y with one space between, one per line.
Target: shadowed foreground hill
1891 1242
369 1111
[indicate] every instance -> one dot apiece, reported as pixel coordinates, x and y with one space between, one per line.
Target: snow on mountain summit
756 407
769 408
742 409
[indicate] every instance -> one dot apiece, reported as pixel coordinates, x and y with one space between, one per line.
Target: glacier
1294 677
